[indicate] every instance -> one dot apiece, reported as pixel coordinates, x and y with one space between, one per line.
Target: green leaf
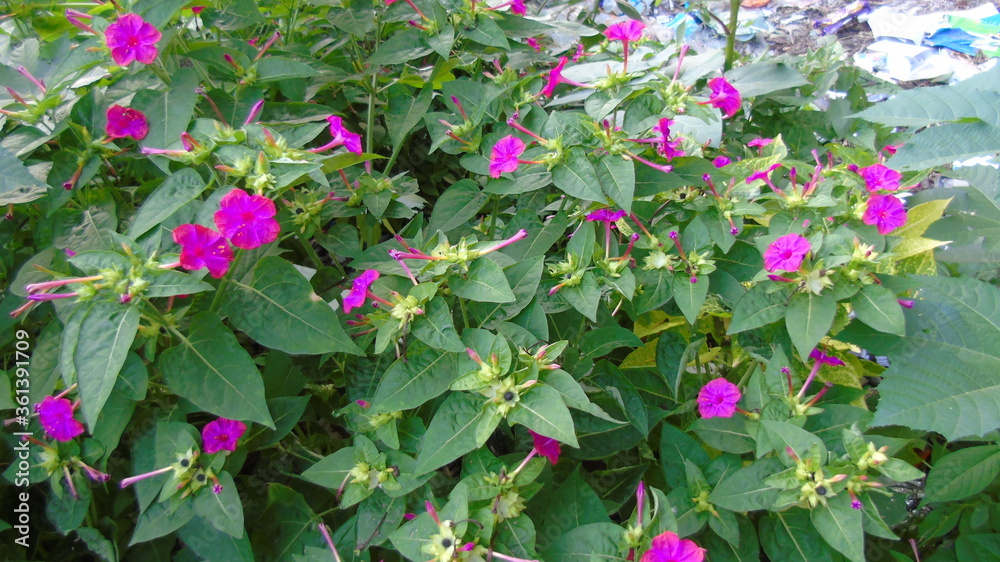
756 308
921 217
210 544
600 342
790 536
223 510
676 446
105 336
542 410
523 278
423 374
485 282
945 374
947 143
808 319
617 178
877 306
456 206
169 283
963 473
761 78
161 519
585 297
784 435
17 185
487 32
596 541
276 306
577 177
745 489
840 525
332 470
169 113
212 370
573 504
452 431
436 328
272 69
690 296
177 190
401 47
725 434
404 112
931 106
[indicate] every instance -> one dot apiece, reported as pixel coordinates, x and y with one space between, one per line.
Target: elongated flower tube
27 74
74 17
555 77
723 96
254 113
819 359
341 137
46 285
626 32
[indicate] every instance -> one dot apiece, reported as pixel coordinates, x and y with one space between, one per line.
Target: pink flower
605 215
666 147
555 78
504 156
203 247
886 212
247 220
341 137
197 9
359 290
131 38
718 399
625 31
222 434
723 96
533 43
721 162
56 416
760 142
825 359
546 446
786 253
878 177
126 122
518 7
668 547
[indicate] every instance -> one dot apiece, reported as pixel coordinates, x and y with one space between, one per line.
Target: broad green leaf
690 296
790 536
169 283
272 69
212 544
617 178
757 308
600 342
877 306
456 206
840 525
276 306
17 184
401 47
947 143
919 218
963 473
436 328
170 113
485 282
487 32
331 471
212 370
423 374
585 297
596 541
725 434
747 550
745 490
572 505
909 247
523 278
945 374
542 410
676 446
288 523
452 431
223 510
105 336
404 111
808 319
931 106
161 519
764 77
656 290
577 177
177 190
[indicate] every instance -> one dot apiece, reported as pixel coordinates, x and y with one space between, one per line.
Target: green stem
493 217
465 313
734 11
217 301
311 253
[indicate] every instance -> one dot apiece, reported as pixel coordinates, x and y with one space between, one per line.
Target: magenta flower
126 122
555 78
886 212
131 38
723 96
504 156
878 177
718 399
203 247
359 290
605 215
222 434
341 137
517 7
760 142
721 162
56 416
546 446
668 547
625 31
666 147
786 253
247 220
825 359
533 43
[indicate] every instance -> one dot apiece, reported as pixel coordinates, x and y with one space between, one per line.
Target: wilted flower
203 247
247 220
786 253
359 290
126 122
886 212
718 399
668 547
825 359
723 96
546 447
131 38
56 417
222 434
533 43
